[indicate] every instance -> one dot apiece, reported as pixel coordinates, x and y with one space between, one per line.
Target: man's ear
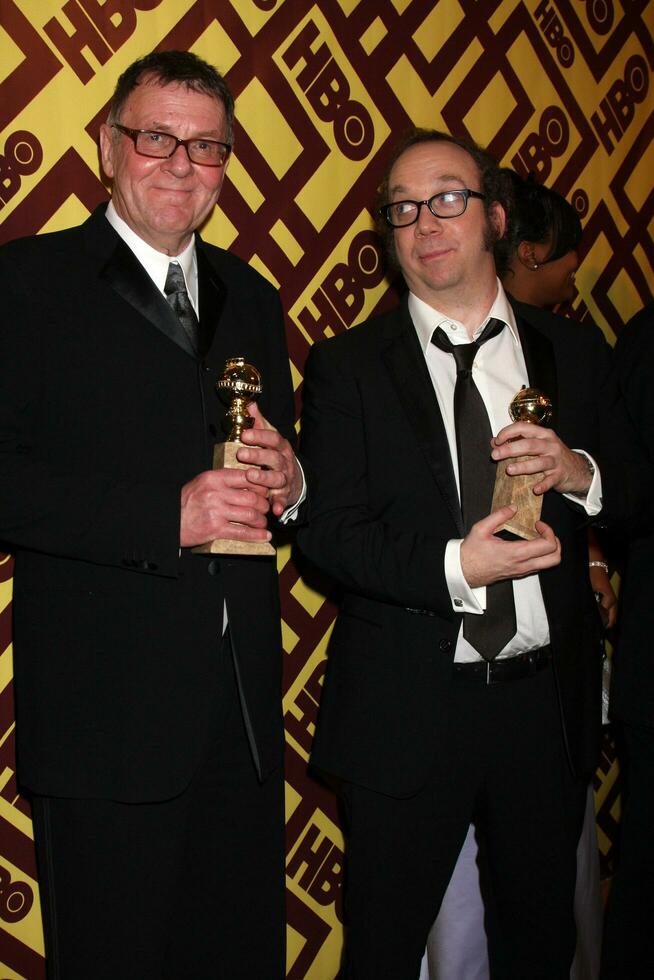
527 255
106 150
497 216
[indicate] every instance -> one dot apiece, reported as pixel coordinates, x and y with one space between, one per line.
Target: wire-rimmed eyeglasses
150 143
446 204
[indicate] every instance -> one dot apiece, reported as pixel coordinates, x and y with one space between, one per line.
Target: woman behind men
536 261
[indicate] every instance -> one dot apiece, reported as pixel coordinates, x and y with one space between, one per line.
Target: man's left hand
280 472
564 470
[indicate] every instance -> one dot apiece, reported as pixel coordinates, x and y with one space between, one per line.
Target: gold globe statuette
240 384
529 405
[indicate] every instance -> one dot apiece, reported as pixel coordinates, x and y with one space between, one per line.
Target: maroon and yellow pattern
324 89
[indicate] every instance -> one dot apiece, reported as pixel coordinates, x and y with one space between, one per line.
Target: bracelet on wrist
599 564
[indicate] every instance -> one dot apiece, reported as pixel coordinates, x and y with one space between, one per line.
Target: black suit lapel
541 370
128 278
211 298
407 367
541 364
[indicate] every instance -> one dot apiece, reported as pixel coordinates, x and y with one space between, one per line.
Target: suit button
444 646
213 567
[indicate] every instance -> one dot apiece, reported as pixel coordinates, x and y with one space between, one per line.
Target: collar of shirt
156 263
426 319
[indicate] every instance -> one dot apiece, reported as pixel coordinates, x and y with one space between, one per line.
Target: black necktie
489 633
178 298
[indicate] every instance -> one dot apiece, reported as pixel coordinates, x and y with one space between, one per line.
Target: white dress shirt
156 263
499 371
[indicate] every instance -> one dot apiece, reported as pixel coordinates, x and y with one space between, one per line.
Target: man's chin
174 221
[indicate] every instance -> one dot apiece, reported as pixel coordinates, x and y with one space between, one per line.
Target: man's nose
427 222
178 162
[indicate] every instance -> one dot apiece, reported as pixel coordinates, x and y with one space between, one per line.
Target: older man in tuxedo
463 681
148 687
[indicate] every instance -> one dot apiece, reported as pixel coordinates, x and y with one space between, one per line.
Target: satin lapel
541 371
129 279
540 361
211 298
407 367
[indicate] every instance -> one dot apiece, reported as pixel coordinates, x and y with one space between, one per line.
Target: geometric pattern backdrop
324 89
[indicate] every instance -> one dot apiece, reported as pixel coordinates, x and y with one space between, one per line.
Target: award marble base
518 491
224 457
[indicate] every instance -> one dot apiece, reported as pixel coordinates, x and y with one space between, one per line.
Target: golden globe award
240 383
529 405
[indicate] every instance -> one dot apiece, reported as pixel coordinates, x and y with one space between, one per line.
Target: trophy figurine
529 405
241 384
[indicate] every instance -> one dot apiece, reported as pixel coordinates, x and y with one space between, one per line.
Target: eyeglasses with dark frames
150 143
446 204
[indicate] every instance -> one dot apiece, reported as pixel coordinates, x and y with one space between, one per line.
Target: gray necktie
178 298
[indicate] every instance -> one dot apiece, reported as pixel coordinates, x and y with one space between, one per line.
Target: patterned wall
323 90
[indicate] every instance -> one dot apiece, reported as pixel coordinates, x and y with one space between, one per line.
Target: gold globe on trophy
529 405
240 383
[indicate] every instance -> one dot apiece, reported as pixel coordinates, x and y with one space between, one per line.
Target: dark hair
539 215
493 181
167 68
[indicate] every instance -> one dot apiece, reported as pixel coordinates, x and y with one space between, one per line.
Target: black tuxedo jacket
632 693
385 506
104 415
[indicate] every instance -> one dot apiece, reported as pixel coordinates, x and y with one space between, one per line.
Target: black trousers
629 928
190 888
504 766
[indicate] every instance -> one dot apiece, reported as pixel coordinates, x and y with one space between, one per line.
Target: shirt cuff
591 501
291 512
464 597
